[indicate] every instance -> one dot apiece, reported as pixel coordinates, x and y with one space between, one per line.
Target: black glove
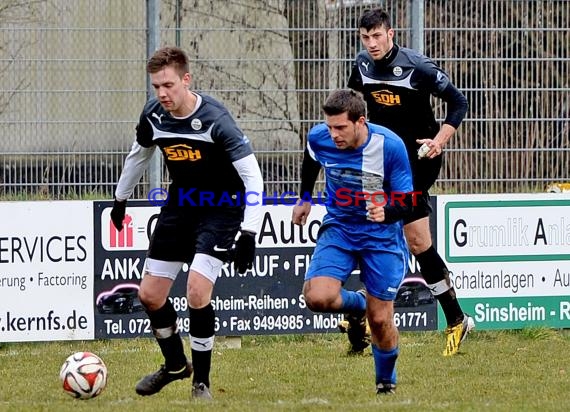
118 213
244 251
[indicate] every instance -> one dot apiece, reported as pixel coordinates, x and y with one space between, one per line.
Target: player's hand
375 213
244 251
429 149
118 213
301 212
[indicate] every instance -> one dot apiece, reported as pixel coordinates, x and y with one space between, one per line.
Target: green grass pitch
526 370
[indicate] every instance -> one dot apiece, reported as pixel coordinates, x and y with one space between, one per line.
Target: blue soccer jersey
376 172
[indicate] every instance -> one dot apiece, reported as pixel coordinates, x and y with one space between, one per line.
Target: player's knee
199 290
197 297
150 301
418 236
418 244
318 301
193 295
380 323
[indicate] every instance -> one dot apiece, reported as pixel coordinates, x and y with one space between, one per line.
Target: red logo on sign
124 238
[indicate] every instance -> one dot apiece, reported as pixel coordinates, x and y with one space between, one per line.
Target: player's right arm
137 160
310 169
134 166
355 79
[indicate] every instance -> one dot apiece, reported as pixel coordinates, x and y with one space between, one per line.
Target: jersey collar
389 58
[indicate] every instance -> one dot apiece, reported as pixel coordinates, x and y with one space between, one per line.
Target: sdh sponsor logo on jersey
182 152
386 97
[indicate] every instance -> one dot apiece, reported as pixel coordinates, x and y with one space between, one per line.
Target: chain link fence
73 83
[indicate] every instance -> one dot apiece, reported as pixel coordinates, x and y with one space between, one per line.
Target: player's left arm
237 146
456 105
398 181
437 82
248 170
240 153
250 173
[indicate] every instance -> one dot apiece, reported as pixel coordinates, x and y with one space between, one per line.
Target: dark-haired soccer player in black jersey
397 84
212 166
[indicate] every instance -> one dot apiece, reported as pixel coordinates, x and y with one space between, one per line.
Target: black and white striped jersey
199 151
397 91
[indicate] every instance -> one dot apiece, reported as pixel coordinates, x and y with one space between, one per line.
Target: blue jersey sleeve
398 170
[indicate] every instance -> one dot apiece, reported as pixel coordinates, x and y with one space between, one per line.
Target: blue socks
385 364
352 302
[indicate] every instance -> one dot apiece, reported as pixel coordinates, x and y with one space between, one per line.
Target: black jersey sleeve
144 132
429 76
235 143
456 105
433 79
310 169
355 79
399 209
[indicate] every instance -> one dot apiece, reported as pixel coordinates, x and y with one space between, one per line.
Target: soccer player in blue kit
369 189
210 162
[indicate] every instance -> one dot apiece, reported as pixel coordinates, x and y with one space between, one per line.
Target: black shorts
424 173
422 208
182 232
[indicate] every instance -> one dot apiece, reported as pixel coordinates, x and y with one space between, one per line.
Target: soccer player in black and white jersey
212 166
397 84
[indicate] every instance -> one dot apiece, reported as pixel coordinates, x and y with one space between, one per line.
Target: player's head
170 77
169 56
345 112
376 33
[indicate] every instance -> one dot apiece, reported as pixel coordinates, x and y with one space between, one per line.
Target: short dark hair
168 56
345 101
373 18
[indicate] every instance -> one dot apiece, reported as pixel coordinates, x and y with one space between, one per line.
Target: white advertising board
46 271
509 257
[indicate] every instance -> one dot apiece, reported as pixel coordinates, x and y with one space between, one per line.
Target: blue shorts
382 259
